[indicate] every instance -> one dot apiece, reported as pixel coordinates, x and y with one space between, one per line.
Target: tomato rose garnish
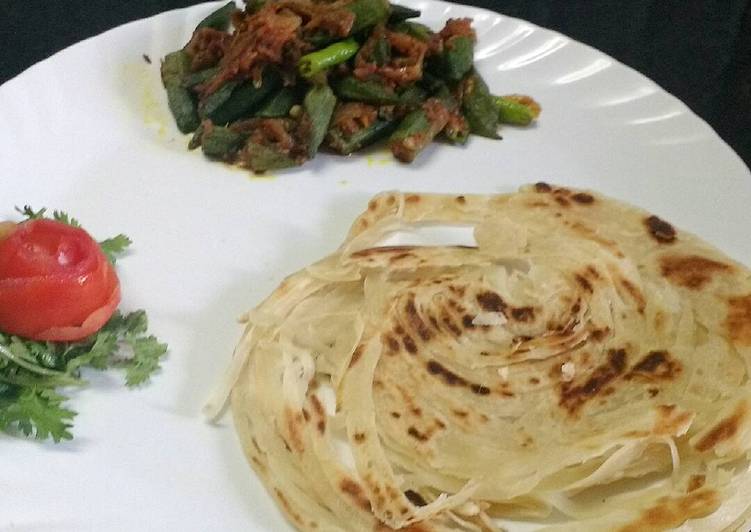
56 284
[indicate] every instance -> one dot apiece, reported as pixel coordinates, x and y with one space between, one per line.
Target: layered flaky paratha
586 365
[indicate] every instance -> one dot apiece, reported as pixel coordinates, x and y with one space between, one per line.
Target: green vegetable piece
381 51
279 104
195 140
401 13
260 158
319 106
431 83
217 99
183 108
411 136
457 130
334 54
417 130
346 144
415 29
479 106
221 143
368 13
457 127
456 59
219 19
412 96
514 112
252 6
233 101
175 67
351 88
196 78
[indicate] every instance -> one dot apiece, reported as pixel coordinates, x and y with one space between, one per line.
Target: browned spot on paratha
691 271
355 491
695 482
416 434
725 430
409 344
583 198
671 512
635 293
356 355
670 420
416 322
656 365
523 314
384 250
286 505
584 283
448 376
491 302
575 396
294 421
738 321
660 230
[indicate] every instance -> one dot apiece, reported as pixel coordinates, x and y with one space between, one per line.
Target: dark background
699 50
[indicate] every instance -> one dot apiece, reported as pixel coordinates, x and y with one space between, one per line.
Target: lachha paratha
585 365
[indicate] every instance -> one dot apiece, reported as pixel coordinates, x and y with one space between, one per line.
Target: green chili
334 54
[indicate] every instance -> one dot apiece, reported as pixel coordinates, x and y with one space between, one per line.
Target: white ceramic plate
87 131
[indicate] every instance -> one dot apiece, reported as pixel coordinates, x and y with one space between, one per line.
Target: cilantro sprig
34 375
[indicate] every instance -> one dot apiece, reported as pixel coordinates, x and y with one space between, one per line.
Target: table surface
700 51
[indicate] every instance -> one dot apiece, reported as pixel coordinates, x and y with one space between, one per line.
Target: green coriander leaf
115 246
30 213
136 322
98 356
37 412
63 217
147 353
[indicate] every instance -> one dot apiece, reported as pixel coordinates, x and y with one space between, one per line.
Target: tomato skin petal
55 282
93 322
